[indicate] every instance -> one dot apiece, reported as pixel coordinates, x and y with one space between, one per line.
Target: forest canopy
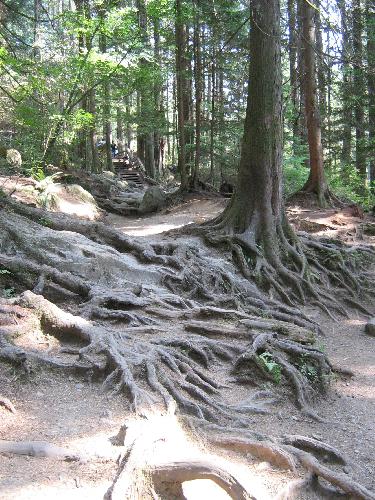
75 74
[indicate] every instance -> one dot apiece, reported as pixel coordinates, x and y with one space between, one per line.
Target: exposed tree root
7 404
263 450
341 480
36 449
329 453
179 472
295 269
310 487
192 329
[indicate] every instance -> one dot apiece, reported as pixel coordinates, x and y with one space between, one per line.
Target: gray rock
154 199
370 327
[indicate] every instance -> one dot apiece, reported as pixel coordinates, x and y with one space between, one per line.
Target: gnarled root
179 472
36 449
176 367
340 480
7 403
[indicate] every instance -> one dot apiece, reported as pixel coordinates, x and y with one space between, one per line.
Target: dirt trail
195 210
70 412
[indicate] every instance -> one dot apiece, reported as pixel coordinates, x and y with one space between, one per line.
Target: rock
154 199
370 327
71 199
14 158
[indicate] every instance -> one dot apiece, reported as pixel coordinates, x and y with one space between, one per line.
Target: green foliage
4 271
348 185
38 173
271 366
43 221
8 293
295 169
307 369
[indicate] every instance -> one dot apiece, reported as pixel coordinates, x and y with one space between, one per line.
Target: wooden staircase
127 173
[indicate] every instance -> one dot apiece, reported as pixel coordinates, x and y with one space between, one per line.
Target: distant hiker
113 149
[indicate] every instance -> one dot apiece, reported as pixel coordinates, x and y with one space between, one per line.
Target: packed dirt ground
78 414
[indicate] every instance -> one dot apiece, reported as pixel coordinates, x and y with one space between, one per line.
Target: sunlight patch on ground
160 439
150 229
203 488
64 489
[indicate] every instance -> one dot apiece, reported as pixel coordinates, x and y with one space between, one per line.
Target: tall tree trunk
256 208
301 123
322 79
293 70
90 103
316 182
36 29
198 92
347 109
370 24
212 121
180 80
359 89
158 104
82 134
146 137
120 131
106 111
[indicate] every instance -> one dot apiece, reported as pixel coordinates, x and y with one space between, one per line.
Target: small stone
346 470
39 394
295 418
79 386
370 327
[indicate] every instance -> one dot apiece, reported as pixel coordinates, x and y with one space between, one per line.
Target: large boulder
71 199
14 158
153 200
370 327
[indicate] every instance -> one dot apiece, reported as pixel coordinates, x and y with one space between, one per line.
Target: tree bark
347 110
316 182
198 93
256 207
180 76
370 24
213 110
106 110
322 78
359 89
145 138
293 70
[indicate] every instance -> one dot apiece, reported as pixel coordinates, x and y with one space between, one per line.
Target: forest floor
68 411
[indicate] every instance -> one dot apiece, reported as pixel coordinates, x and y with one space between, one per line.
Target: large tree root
341 480
7 403
36 449
180 472
186 334
295 269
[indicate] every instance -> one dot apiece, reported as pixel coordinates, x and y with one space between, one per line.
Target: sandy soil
195 209
71 412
